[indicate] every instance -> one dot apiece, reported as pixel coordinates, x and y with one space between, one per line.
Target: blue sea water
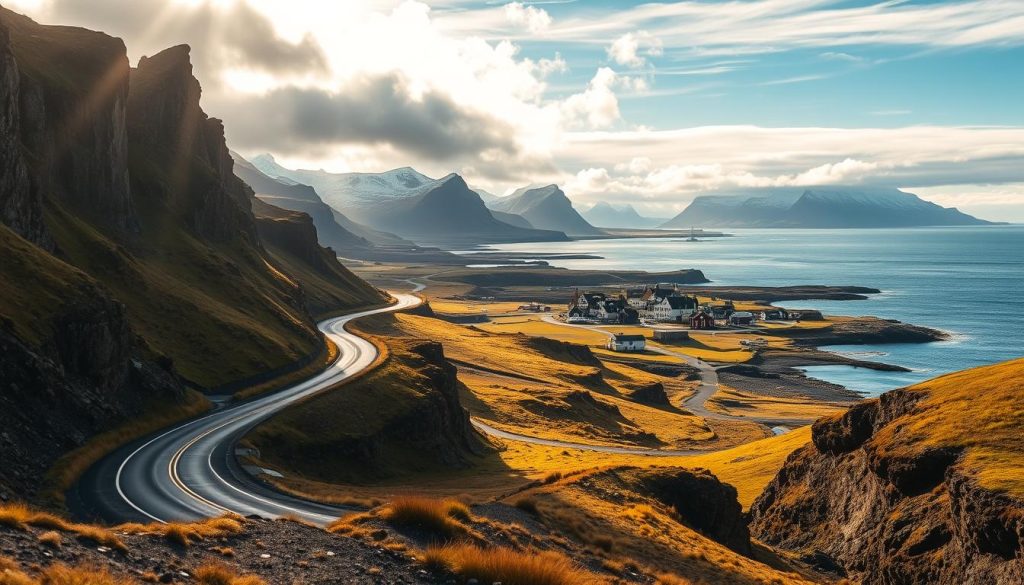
968 281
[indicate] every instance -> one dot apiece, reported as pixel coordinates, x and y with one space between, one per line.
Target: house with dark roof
702 320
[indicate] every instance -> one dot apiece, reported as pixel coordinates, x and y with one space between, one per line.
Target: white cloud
626 50
531 18
597 106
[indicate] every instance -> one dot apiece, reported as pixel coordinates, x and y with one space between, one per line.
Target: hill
546 208
927 477
132 257
604 214
818 207
403 201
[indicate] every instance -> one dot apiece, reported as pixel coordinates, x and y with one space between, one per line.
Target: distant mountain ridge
546 208
818 207
408 203
604 214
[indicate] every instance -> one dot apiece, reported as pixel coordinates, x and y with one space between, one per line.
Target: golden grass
186 533
770 407
450 307
62 575
222 575
750 467
20 517
507 566
72 465
980 411
51 539
443 518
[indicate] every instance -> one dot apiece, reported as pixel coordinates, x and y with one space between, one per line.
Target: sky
614 100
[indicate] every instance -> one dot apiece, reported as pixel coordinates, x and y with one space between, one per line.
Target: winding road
190 472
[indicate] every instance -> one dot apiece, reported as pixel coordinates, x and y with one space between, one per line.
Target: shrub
440 517
64 575
100 536
507 566
528 505
184 533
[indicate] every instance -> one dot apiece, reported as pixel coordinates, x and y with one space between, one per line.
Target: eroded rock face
88 378
20 204
856 507
190 169
704 503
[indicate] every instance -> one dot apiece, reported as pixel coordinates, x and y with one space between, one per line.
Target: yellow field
533 326
750 467
735 403
450 307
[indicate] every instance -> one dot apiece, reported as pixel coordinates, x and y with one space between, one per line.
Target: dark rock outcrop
855 505
652 393
704 504
166 121
89 376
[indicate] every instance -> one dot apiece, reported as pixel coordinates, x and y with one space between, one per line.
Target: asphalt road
189 472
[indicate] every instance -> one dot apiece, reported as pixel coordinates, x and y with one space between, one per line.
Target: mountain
405 202
512 219
818 207
604 214
485 196
927 478
132 259
546 208
448 212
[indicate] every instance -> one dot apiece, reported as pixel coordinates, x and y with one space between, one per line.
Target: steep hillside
604 214
143 261
818 207
546 208
403 417
927 478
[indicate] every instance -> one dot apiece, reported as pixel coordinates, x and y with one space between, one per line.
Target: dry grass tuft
442 517
507 566
20 516
222 575
51 539
185 533
669 579
65 575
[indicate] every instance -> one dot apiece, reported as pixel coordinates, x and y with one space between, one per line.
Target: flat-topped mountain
604 214
405 202
818 207
545 208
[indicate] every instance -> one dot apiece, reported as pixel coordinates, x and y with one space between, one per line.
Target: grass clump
222 575
51 539
185 533
10 574
507 566
441 517
20 517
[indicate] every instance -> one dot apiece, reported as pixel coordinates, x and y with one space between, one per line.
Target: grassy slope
362 413
980 411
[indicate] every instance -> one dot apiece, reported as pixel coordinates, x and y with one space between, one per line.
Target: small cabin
623 342
670 335
702 321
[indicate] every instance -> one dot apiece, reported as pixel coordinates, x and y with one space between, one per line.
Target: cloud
223 35
839 56
531 18
597 106
377 110
626 50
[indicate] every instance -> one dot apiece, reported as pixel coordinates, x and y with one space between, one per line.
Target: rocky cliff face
20 205
89 375
166 121
72 98
853 504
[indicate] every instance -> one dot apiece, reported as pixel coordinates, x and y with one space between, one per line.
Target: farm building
702 321
669 335
741 318
623 342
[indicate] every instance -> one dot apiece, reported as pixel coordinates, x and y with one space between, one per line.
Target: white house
673 308
623 342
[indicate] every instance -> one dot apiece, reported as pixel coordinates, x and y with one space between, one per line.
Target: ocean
968 281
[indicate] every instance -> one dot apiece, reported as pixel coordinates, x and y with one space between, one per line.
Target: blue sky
621 101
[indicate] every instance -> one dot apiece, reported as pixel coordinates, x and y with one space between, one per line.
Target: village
671 313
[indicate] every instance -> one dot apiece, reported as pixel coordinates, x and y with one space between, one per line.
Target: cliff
545 208
403 417
127 241
919 486
70 366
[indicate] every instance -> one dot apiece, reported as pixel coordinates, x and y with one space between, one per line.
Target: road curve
189 472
